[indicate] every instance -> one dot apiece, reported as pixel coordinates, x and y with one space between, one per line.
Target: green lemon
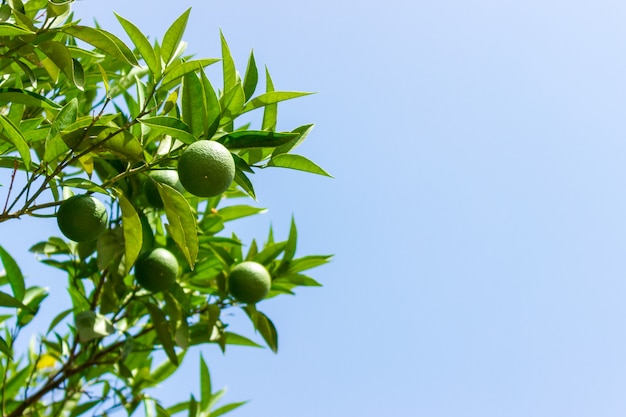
82 218
156 270
206 168
249 282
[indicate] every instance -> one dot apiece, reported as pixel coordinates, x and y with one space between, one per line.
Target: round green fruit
206 168
249 282
82 218
156 270
166 176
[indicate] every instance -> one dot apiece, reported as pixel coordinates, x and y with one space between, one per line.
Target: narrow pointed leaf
228 66
297 162
270 112
182 221
163 332
102 40
205 387
256 139
4 348
251 78
272 98
173 36
13 134
177 71
8 301
212 105
192 105
143 45
13 274
133 236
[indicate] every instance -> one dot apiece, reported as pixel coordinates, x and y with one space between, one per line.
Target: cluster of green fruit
205 169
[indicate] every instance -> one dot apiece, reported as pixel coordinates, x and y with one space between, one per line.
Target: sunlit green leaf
182 221
205 387
192 105
292 240
133 235
297 162
102 40
177 71
7 301
251 78
13 134
14 274
236 212
16 95
270 112
212 106
170 126
173 36
8 29
272 97
228 66
143 45
227 408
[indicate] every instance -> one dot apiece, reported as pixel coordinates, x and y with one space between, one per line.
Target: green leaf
33 298
182 221
4 348
307 262
133 235
270 252
239 340
242 139
179 70
264 326
57 319
173 36
205 387
232 103
292 240
227 408
91 325
61 57
236 212
14 274
16 95
143 45
170 126
228 66
103 40
8 29
270 113
297 279
244 182
212 105
192 105
83 184
251 78
297 162
13 134
163 332
7 301
302 132
272 97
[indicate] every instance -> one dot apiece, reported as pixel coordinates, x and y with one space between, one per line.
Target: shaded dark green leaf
170 126
133 234
163 332
255 139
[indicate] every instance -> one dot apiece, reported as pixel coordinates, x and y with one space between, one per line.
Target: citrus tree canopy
141 160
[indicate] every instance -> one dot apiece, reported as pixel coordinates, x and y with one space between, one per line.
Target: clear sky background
477 214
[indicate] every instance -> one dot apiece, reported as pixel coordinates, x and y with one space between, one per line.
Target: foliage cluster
82 112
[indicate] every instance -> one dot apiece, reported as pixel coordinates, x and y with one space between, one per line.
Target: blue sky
477 214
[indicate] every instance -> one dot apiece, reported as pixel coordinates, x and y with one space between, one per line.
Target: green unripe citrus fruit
82 218
156 270
166 176
206 168
249 282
